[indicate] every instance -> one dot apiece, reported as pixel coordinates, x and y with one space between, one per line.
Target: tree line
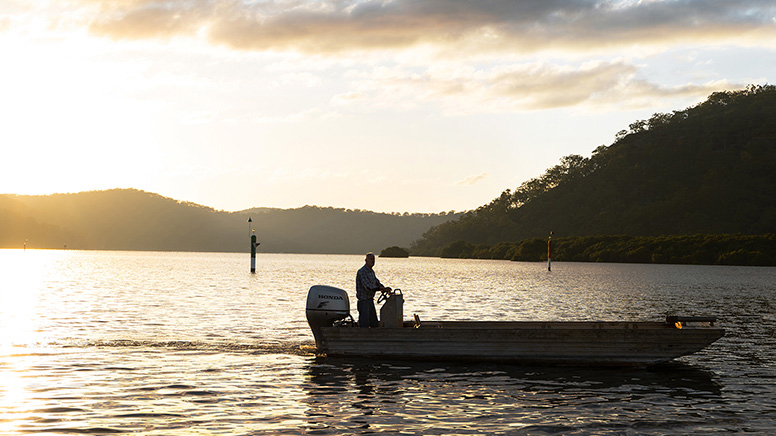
709 169
749 250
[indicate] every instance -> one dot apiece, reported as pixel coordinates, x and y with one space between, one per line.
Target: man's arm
370 281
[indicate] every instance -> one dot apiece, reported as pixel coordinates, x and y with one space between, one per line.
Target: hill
708 169
128 219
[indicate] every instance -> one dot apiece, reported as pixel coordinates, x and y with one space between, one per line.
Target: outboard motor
325 305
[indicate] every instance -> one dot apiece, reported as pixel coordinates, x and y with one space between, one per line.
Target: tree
395 251
710 168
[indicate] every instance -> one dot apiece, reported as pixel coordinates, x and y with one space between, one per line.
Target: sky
389 106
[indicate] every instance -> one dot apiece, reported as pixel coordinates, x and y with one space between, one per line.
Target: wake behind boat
585 343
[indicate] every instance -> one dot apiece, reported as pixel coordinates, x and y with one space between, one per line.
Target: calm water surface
192 343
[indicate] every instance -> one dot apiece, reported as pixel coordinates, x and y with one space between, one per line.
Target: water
192 343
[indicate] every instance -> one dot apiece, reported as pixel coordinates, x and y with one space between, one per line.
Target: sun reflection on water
22 276
13 396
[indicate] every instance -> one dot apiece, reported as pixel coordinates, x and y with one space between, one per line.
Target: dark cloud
346 25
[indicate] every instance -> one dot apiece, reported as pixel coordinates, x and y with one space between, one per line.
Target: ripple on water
192 344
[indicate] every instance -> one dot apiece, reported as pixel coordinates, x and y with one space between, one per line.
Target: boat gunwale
529 325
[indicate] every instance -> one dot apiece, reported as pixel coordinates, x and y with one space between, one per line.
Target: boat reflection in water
354 395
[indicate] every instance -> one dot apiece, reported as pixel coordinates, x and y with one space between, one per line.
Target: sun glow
65 115
204 101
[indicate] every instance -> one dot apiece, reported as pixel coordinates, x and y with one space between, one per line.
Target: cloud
517 87
472 180
465 56
347 98
335 26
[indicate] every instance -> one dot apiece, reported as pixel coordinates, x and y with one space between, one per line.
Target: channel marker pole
253 246
549 253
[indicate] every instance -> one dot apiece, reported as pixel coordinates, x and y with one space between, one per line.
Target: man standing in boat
366 286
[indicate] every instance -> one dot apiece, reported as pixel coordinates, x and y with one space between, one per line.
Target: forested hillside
128 219
708 169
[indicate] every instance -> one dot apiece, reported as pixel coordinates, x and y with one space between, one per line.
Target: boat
570 343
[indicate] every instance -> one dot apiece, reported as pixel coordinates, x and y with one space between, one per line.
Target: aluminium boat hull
636 344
